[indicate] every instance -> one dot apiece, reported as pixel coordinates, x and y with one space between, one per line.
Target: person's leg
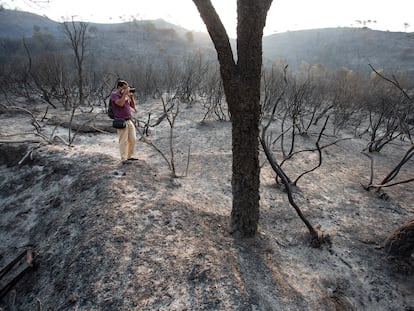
132 138
123 143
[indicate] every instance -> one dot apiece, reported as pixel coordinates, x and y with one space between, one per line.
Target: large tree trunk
241 82
246 173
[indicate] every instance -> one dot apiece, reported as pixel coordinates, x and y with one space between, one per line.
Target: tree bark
241 83
246 174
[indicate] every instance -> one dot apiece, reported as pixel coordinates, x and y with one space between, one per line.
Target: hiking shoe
132 159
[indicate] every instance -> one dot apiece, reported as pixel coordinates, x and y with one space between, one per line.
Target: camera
131 89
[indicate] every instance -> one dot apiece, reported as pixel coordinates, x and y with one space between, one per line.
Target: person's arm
121 101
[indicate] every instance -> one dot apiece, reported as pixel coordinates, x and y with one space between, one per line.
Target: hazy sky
284 15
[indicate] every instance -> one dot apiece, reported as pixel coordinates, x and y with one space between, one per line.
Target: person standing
123 101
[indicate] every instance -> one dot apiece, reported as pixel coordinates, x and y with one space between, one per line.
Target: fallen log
10 274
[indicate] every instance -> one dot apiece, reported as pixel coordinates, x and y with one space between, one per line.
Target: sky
284 15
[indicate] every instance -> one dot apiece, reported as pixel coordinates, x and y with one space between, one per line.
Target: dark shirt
123 112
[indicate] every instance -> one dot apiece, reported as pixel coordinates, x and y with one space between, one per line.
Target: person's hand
125 90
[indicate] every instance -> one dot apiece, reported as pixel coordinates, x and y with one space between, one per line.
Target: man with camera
123 100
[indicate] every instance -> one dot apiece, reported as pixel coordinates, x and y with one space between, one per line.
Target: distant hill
353 48
334 48
155 39
18 24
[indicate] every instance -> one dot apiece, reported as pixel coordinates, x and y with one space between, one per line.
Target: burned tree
388 180
241 81
390 110
400 242
76 33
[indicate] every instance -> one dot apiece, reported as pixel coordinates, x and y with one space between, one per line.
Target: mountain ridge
333 48
353 48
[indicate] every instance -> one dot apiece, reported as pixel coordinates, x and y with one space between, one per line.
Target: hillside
108 236
334 48
353 48
135 40
18 24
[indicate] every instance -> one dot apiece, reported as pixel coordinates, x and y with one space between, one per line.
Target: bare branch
371 178
319 153
145 140
394 172
393 82
316 236
21 109
397 169
393 184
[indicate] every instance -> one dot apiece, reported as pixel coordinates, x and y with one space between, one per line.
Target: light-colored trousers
127 140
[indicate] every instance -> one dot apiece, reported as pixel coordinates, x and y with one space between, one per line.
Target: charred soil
113 236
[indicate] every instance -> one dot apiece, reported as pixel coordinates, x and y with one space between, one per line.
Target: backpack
111 112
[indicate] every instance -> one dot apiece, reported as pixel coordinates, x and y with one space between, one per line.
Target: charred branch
319 149
316 236
386 182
